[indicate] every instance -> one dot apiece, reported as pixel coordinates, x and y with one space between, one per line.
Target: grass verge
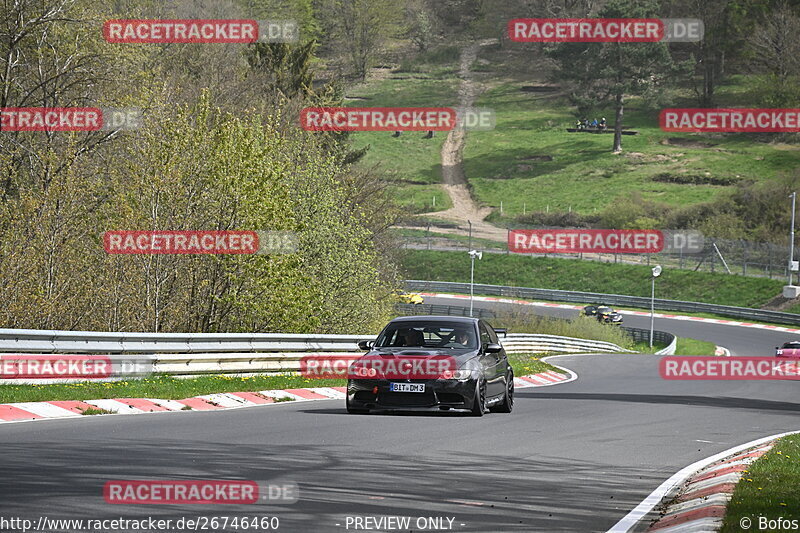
96 411
768 489
686 346
589 276
530 363
523 320
163 387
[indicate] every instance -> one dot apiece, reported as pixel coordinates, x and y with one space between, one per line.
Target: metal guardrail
746 313
534 343
88 342
659 337
183 354
442 310
191 354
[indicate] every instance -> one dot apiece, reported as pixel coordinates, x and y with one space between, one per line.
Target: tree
727 23
601 74
360 29
776 54
420 24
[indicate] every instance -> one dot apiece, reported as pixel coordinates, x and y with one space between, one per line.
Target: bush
523 320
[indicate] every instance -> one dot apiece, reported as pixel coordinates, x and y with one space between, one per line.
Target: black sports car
590 310
432 363
606 315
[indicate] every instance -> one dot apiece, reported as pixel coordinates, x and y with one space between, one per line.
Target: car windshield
794 345
428 335
604 310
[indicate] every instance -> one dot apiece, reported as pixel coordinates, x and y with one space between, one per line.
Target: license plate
407 387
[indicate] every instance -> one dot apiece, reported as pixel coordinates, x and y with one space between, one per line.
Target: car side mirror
493 347
366 345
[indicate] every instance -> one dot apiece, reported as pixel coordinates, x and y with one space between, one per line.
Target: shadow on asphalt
427 414
749 404
486 492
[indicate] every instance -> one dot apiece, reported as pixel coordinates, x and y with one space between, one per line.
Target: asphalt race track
741 341
571 457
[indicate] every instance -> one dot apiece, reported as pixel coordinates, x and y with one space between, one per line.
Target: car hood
461 355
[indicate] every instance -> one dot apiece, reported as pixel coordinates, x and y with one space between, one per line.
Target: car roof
434 318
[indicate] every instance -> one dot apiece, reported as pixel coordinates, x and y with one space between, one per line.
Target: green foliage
256 179
522 320
359 29
289 67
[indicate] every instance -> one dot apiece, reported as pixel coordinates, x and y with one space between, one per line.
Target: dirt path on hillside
454 181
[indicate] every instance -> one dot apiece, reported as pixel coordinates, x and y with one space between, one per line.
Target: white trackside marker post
472 254
656 272
791 238
792 291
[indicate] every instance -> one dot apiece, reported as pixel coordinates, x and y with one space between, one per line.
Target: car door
491 363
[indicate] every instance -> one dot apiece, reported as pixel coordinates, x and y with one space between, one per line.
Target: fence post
428 235
713 260
769 260
744 258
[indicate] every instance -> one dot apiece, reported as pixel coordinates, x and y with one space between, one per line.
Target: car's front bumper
439 395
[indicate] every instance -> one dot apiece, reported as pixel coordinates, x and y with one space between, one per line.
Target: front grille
408 399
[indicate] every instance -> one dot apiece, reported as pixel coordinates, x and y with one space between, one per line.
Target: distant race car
790 350
590 310
606 315
409 297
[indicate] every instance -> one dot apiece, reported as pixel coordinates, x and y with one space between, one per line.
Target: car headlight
464 373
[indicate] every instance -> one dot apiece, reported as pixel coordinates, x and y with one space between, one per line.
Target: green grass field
686 346
768 489
507 164
590 276
529 162
410 162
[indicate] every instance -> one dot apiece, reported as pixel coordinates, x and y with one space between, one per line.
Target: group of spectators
584 124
